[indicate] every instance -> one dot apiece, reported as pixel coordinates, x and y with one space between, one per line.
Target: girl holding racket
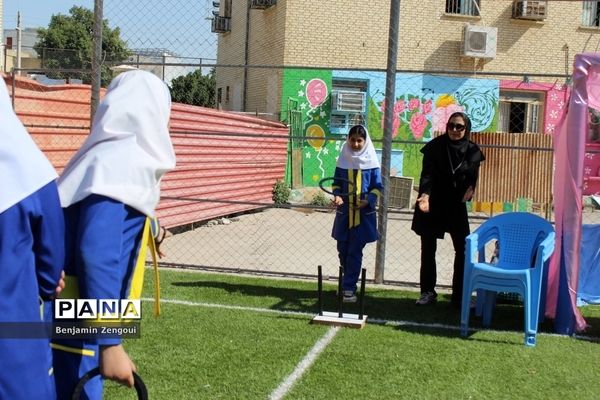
110 190
356 188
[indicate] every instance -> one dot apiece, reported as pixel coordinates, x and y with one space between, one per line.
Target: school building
320 67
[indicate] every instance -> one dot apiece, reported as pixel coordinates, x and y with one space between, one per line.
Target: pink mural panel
557 95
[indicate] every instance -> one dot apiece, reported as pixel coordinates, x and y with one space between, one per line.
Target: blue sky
35 13
177 25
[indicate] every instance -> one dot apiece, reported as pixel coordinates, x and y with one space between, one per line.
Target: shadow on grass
379 304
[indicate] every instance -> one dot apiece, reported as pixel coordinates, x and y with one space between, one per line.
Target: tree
195 88
67 43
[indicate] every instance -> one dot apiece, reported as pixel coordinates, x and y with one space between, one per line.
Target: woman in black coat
448 180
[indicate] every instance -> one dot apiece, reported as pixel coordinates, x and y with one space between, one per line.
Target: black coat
447 211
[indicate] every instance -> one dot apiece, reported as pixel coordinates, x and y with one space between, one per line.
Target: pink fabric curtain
569 149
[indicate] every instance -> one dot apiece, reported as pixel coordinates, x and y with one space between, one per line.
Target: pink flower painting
418 123
441 115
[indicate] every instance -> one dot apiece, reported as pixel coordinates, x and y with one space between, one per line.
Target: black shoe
427 298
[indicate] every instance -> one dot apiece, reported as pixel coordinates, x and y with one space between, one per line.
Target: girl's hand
363 203
468 194
337 201
116 365
162 234
423 203
60 285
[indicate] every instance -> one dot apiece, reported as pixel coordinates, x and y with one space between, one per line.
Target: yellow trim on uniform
137 281
358 188
75 350
350 200
154 253
71 290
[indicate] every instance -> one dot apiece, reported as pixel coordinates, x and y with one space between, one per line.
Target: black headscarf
457 149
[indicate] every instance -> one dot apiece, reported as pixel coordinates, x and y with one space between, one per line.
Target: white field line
369 320
310 357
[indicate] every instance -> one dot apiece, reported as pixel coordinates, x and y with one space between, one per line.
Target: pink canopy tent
569 149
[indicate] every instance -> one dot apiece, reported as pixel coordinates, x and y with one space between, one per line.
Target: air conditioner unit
348 101
480 41
262 4
527 9
220 24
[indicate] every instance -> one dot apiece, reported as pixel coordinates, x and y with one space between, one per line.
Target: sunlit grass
246 350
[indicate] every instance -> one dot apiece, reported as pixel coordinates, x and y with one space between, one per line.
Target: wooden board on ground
347 320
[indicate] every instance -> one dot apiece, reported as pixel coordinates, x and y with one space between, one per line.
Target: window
348 105
463 7
219 95
227 95
591 13
520 112
227 8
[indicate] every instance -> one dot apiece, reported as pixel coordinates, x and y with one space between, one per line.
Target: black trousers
428 275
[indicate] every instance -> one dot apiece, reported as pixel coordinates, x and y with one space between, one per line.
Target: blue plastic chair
526 242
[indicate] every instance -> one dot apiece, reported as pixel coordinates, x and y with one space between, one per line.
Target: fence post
96 58
386 150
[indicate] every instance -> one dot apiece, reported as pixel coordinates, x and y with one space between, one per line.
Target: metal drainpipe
244 96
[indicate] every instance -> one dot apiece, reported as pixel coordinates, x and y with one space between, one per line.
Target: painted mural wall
422 107
311 90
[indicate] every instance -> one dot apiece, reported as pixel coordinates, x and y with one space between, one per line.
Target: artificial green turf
202 352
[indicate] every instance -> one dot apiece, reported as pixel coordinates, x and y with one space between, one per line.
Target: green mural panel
311 89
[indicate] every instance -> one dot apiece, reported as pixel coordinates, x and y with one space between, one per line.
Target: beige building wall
231 48
265 47
354 34
27 62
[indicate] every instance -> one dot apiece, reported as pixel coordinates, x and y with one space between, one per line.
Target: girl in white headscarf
31 256
356 188
109 189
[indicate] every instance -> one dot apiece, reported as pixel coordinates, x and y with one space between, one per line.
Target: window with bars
348 104
463 7
520 112
590 15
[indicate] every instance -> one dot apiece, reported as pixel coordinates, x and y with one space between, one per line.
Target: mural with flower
422 107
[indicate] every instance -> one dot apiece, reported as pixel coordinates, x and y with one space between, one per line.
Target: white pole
19 42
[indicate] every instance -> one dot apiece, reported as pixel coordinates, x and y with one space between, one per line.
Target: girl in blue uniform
109 189
31 257
358 173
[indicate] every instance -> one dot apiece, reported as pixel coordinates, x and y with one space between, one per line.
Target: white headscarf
23 167
129 148
363 159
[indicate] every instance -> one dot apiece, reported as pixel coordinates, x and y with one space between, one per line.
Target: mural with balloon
312 89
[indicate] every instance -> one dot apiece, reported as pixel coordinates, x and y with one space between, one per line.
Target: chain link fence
277 125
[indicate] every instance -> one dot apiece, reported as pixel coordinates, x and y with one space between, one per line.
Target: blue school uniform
108 189
354 227
103 240
31 260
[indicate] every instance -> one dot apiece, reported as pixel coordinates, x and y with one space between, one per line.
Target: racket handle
139 385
